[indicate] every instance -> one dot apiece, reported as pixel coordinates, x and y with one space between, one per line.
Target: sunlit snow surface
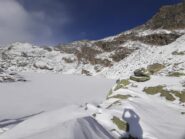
70 122
44 93
51 106
48 107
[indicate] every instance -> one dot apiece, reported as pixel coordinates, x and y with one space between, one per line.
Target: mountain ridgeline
148 63
97 57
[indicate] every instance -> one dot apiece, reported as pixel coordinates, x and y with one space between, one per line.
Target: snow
52 105
58 114
42 65
48 104
44 92
150 32
52 61
147 55
149 117
68 123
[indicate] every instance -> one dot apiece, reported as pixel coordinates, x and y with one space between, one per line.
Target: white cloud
16 24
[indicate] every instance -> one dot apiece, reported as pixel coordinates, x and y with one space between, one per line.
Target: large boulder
141 72
140 75
42 65
140 78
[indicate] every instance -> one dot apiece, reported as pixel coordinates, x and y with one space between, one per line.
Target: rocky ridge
97 57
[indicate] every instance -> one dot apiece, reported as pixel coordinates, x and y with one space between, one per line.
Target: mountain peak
168 17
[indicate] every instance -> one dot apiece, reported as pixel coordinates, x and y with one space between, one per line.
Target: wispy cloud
19 24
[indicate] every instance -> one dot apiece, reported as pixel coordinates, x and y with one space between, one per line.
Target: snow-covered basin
49 91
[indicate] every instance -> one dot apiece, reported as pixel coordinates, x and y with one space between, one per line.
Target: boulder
42 65
140 78
85 72
141 72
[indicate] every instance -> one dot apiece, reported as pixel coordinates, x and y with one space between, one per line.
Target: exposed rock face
87 52
159 39
121 53
152 39
85 72
169 17
108 46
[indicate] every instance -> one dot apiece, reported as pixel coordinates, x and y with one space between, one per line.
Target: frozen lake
49 91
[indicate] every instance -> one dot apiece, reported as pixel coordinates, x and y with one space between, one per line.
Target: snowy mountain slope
153 108
25 57
158 118
147 55
96 57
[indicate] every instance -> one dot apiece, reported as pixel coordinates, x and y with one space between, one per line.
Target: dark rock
121 53
140 75
107 46
169 17
139 78
8 79
158 39
68 60
1 70
141 72
86 72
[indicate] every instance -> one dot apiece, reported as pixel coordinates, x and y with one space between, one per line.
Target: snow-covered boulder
42 65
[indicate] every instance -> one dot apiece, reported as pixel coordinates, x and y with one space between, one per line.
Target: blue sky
49 22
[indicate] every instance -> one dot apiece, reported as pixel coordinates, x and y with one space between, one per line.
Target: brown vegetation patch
121 53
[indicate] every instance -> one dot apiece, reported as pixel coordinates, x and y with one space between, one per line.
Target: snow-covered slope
156 118
68 123
150 115
112 64
148 103
168 55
